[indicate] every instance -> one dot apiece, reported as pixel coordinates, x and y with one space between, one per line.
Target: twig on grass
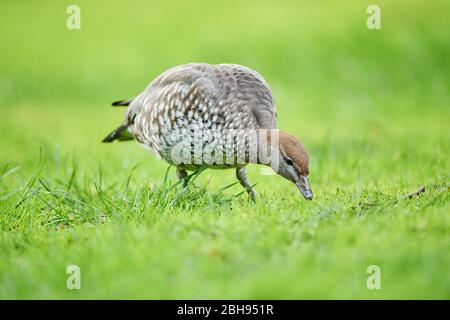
414 194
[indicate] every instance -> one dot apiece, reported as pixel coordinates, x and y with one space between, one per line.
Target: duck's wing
248 89
231 91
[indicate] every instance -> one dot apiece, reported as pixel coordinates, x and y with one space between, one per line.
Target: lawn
371 106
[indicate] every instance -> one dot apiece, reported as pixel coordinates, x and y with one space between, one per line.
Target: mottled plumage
204 109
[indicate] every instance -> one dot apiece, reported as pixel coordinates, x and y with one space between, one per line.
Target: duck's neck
268 146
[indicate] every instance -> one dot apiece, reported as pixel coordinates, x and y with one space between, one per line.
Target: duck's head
294 163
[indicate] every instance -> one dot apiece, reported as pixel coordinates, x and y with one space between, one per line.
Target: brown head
294 163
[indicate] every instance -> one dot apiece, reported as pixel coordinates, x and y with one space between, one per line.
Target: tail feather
122 103
121 134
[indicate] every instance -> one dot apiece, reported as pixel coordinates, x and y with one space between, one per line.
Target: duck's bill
305 188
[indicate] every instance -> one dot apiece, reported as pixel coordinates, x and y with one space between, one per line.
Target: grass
372 107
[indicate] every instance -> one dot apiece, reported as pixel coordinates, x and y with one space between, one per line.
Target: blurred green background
372 107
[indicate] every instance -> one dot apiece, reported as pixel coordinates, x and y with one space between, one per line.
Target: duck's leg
182 175
241 175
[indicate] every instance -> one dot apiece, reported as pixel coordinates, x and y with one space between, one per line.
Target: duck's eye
289 162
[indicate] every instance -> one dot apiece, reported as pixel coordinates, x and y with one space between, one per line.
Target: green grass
372 107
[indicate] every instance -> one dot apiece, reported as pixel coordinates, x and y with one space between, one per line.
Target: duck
216 116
